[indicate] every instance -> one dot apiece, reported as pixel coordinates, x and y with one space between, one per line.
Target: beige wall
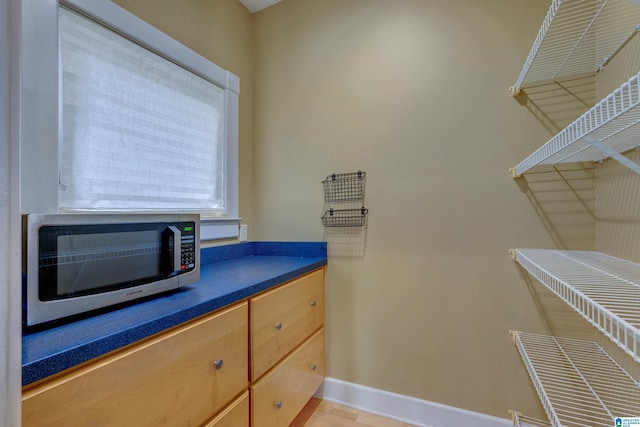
617 190
414 92
618 228
618 204
221 31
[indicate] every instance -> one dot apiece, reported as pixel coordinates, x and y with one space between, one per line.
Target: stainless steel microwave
75 263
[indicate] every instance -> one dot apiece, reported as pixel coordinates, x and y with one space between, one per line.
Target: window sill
219 228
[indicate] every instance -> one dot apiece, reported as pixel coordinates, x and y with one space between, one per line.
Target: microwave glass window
93 261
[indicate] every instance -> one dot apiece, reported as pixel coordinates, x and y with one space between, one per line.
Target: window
139 122
138 131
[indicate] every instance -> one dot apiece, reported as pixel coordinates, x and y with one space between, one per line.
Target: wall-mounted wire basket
344 187
345 217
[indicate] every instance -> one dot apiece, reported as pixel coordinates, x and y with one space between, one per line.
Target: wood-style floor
318 413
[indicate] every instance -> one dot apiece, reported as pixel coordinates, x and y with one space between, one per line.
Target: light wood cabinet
287 349
234 415
279 396
181 377
199 374
281 319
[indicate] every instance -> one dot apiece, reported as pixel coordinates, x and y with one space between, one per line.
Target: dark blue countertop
227 274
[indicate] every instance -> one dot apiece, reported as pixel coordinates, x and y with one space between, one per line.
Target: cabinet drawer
168 380
280 395
284 317
235 415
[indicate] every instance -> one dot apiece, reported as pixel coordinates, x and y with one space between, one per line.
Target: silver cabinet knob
313 303
279 404
218 363
313 367
278 326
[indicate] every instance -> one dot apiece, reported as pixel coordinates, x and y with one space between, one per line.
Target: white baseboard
407 409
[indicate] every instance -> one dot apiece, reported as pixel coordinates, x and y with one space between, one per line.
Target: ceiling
256 5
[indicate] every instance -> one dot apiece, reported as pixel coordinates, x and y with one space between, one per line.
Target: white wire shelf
578 37
520 420
613 122
605 290
578 383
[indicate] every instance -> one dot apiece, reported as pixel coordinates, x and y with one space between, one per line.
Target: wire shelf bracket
574 37
604 290
578 383
606 130
610 152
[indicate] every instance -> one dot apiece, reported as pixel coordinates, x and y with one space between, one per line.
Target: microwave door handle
177 244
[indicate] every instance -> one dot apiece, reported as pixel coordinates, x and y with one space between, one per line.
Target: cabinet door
284 317
179 378
234 415
279 396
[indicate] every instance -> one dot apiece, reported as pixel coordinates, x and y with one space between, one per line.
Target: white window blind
138 131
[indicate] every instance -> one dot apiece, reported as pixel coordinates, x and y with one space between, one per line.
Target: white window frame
41 104
11 237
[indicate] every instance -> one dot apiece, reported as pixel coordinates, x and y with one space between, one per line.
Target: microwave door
100 258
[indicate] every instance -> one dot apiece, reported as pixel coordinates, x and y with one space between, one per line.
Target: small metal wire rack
344 187
345 217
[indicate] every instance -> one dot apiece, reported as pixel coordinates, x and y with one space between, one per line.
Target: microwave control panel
188 247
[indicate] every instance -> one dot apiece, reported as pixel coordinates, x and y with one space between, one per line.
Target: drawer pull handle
313 367
313 304
278 326
218 363
279 404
